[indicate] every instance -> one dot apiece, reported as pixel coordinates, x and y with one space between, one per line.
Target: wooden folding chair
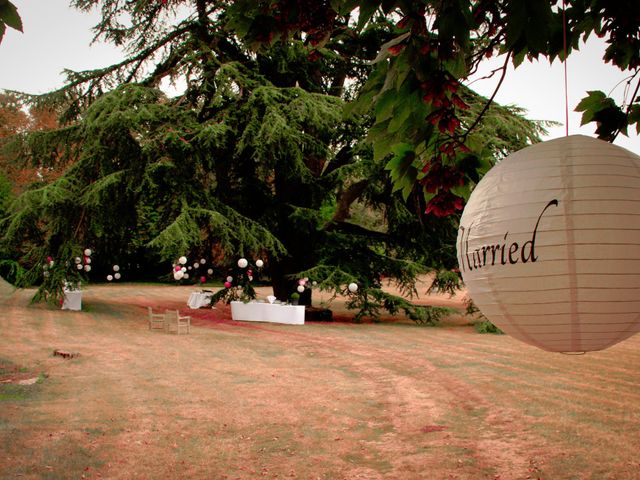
156 320
177 323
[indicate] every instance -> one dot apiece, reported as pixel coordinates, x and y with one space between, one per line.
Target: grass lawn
338 400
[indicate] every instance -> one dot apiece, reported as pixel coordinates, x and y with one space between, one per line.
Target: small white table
199 299
72 300
268 312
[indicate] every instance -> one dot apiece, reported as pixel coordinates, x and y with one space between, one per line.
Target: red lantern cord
566 90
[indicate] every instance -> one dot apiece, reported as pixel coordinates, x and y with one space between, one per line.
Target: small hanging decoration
242 263
182 260
549 244
300 288
259 263
353 287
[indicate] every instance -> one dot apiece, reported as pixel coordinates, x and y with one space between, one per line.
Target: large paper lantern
549 244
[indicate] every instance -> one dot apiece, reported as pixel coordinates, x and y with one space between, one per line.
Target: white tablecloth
199 299
72 300
268 312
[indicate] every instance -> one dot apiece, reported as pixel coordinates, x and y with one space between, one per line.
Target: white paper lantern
183 269
87 268
109 277
186 275
182 260
78 260
549 244
210 271
229 278
116 268
116 276
242 263
353 287
87 252
178 275
196 265
203 261
259 263
79 266
300 288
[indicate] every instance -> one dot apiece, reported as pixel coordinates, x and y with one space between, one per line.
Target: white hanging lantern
78 260
202 261
196 265
116 268
87 252
210 271
259 263
353 287
186 276
229 278
242 263
109 277
300 288
116 276
87 268
549 244
79 266
178 275
183 269
182 260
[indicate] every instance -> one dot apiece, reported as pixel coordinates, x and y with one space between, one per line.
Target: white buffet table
199 299
268 312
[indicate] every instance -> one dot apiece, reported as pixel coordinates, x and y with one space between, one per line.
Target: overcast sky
56 37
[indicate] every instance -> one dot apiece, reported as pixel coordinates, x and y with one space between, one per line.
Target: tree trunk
283 285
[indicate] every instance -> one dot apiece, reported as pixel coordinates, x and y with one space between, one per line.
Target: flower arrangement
67 273
237 284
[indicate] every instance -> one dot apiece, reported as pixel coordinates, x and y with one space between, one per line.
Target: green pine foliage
264 155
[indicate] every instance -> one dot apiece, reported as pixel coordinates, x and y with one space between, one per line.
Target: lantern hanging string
566 90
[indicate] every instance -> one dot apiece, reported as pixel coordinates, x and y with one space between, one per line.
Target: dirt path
325 400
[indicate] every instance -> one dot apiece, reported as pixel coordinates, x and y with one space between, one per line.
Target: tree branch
490 101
